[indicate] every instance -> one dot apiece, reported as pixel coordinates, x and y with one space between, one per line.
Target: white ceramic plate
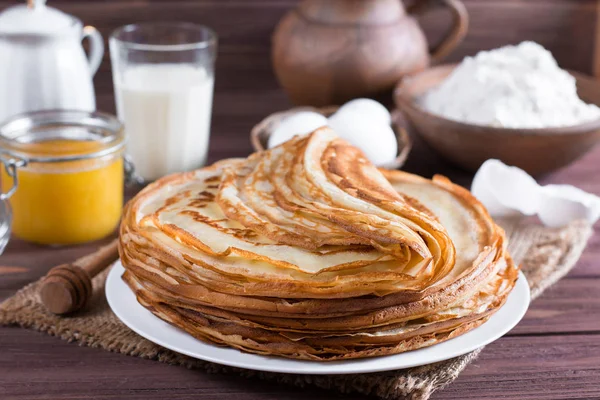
124 304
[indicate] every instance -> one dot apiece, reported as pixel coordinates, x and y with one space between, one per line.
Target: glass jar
63 175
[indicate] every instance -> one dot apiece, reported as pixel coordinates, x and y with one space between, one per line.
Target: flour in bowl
513 87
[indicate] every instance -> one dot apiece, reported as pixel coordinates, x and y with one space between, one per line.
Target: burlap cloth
545 255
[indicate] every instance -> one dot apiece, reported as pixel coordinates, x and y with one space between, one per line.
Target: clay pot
330 51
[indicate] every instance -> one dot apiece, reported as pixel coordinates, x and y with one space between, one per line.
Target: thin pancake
309 251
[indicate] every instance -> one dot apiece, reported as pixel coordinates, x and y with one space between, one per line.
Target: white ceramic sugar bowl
42 61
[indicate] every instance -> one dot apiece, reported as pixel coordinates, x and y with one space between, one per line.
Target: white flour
513 87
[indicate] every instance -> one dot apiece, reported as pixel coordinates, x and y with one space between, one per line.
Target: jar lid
20 135
37 19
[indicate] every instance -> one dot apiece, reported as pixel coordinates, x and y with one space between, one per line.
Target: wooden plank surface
550 368
553 354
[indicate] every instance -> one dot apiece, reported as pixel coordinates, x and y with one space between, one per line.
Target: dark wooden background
246 88
554 353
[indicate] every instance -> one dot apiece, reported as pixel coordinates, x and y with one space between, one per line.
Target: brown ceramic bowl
259 136
537 151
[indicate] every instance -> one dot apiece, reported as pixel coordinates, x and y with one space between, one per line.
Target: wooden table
554 353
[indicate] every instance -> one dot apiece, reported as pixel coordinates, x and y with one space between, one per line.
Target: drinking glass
163 76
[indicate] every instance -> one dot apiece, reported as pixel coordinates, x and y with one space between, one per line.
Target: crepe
308 251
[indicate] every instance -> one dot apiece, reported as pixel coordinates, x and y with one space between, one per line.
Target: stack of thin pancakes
308 251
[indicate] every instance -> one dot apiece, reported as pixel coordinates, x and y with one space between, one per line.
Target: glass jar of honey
63 175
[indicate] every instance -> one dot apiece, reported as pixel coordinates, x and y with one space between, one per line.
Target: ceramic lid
37 19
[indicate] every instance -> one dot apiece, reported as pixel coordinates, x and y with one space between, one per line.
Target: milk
166 110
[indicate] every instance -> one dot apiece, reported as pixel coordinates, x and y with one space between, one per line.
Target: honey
70 189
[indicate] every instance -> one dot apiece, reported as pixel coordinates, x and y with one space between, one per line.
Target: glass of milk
163 75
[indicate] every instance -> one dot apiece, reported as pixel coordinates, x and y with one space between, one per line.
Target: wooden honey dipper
68 287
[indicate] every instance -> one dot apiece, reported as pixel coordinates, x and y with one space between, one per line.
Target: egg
366 108
300 123
375 138
565 203
495 185
507 191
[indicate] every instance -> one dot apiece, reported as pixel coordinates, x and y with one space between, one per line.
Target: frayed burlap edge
545 255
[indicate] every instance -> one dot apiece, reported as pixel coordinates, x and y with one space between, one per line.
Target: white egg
301 123
367 108
375 138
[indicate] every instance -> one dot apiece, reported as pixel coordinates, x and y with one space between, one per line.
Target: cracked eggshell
367 108
562 204
300 123
505 191
375 138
